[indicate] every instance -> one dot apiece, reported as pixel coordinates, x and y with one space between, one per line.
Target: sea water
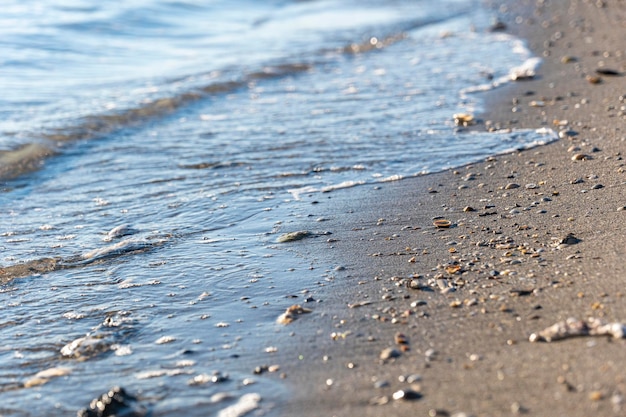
194 126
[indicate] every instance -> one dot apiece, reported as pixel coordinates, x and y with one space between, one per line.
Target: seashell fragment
407 395
442 223
292 313
573 327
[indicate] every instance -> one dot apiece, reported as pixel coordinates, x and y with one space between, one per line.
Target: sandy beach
438 321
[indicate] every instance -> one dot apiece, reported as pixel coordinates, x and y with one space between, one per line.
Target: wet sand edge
423 320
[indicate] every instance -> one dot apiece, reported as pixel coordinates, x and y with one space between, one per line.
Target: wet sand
536 237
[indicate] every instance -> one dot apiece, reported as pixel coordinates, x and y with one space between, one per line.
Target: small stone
596 396
580 157
389 353
570 239
597 186
531 186
511 186
593 79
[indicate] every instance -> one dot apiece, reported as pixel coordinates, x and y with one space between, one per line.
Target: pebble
580 157
511 186
389 353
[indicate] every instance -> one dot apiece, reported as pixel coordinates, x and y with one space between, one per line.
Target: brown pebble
468 208
593 79
596 395
511 186
580 157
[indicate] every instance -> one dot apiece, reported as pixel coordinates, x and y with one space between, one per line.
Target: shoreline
443 316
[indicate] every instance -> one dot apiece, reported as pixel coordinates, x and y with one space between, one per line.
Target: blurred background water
199 124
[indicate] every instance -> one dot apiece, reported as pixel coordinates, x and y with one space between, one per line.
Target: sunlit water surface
200 125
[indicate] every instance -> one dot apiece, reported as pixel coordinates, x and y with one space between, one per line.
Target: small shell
442 223
453 269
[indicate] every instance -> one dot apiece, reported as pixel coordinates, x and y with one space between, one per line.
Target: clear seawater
200 124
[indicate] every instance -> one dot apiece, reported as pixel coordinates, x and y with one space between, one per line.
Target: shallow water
200 126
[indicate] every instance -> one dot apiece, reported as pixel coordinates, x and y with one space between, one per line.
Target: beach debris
359 304
43 377
120 231
389 353
292 314
293 236
402 340
464 119
537 103
593 79
442 223
511 186
468 209
115 402
246 404
573 327
580 157
407 395
570 239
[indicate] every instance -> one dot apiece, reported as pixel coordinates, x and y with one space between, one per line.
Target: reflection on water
153 152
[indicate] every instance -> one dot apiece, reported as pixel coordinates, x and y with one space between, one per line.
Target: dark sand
508 275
